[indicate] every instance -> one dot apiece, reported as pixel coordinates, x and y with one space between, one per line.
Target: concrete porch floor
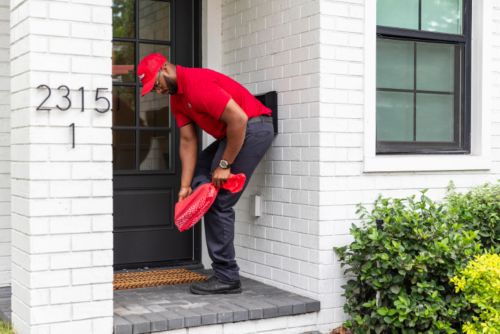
169 307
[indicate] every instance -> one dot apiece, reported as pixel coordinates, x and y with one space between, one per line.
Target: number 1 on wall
72 126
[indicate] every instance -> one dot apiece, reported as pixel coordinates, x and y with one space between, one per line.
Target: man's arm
236 126
188 150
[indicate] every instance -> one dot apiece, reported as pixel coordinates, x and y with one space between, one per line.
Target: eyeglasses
157 82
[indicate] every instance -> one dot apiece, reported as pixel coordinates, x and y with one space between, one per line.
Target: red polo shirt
202 96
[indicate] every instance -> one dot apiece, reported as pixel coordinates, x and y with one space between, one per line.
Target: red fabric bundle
191 209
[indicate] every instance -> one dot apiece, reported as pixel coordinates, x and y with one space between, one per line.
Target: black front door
146 164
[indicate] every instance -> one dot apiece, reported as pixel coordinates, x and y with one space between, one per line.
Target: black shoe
213 286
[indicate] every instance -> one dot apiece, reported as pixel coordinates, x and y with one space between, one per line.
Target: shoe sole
222 292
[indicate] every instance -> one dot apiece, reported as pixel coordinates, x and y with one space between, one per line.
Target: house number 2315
66 102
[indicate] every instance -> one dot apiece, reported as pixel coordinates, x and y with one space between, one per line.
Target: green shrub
478 210
480 283
402 272
6 328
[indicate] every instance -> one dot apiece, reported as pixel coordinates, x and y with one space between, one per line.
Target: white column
4 145
61 195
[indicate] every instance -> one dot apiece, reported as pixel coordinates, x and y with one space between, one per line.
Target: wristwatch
224 164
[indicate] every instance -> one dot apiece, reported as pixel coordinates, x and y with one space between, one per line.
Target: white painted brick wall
61 197
5 224
312 52
273 45
495 89
343 183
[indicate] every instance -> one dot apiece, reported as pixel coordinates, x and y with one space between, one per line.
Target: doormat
150 278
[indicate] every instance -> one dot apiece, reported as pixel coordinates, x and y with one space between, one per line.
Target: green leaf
395 289
382 311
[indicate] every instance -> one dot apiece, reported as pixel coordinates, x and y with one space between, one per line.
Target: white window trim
480 156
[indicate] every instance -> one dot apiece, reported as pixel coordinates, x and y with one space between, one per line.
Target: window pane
397 13
123 149
394 64
123 18
154 20
394 116
155 150
442 16
434 117
123 62
145 49
123 106
435 67
154 110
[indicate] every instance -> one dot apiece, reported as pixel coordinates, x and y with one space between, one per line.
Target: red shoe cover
191 209
235 183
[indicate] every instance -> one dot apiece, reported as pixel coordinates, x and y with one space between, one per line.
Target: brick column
61 196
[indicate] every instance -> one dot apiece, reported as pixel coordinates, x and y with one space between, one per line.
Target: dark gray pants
219 220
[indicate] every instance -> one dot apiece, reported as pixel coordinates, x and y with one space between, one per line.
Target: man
243 130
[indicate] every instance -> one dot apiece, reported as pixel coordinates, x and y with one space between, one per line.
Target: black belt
262 118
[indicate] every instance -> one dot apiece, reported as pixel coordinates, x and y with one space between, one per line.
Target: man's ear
165 68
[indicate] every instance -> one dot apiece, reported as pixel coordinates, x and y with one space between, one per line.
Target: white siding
4 145
61 196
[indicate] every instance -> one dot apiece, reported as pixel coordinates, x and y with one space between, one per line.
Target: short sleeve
181 118
215 99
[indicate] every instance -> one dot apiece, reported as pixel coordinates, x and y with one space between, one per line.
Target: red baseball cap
147 69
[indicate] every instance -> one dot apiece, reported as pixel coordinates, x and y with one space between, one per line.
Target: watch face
223 164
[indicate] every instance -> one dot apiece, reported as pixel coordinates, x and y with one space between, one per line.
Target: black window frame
462 120
136 40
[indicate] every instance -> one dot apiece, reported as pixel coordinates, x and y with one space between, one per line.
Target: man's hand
184 192
220 176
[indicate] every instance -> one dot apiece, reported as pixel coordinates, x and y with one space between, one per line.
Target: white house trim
480 157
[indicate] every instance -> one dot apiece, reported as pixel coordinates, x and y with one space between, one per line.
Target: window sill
419 163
